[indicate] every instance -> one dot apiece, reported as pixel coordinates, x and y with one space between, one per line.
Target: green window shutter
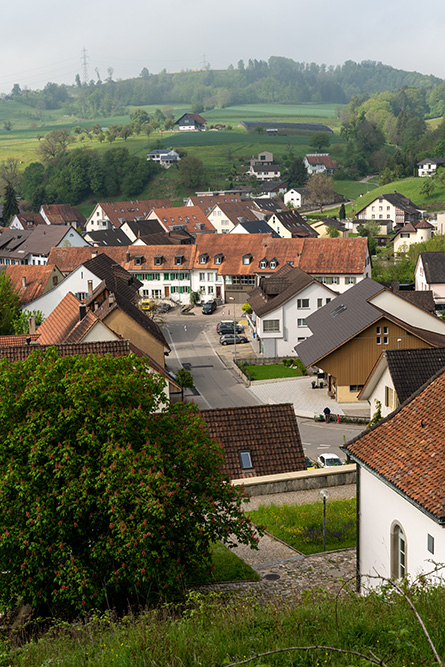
140 276
181 289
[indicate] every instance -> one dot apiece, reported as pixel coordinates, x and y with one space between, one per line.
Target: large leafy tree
107 497
10 204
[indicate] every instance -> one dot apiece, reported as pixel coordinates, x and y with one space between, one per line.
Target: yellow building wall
125 326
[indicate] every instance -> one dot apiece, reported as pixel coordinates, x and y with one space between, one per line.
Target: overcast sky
43 41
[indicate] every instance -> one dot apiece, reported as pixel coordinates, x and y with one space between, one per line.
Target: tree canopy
108 496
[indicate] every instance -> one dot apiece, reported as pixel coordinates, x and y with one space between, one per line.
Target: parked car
310 465
329 460
229 339
209 307
164 308
226 326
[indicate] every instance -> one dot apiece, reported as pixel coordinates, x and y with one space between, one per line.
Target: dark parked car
229 339
209 308
226 326
164 308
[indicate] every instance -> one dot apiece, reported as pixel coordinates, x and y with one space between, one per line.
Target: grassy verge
301 526
228 567
212 631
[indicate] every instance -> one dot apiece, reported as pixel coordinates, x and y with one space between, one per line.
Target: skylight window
338 310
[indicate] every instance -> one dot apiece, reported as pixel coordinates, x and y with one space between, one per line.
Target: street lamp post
232 298
324 493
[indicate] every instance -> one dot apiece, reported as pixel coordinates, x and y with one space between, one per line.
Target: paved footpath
285 573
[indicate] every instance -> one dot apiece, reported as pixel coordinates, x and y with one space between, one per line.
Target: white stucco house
401 494
296 197
397 374
280 305
429 274
428 166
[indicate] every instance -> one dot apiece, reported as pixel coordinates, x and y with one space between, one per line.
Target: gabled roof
270 205
206 203
407 448
239 211
196 117
265 167
59 324
268 432
17 340
331 222
396 199
132 311
431 160
117 348
29 220
321 158
272 292
191 218
30 280
295 224
62 214
144 227
257 227
118 212
116 278
346 316
409 370
108 237
18 244
433 266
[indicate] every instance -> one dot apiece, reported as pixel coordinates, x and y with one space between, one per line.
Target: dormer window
158 260
247 258
218 258
263 263
273 263
138 260
179 259
203 259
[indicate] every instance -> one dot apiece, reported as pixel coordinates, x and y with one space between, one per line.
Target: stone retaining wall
319 478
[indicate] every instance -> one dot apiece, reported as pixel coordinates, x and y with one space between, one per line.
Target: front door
218 291
167 290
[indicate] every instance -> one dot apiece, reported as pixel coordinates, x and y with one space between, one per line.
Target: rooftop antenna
84 60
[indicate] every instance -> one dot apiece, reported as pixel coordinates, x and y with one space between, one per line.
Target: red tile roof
407 448
191 218
62 214
118 211
17 340
269 432
59 324
321 158
30 280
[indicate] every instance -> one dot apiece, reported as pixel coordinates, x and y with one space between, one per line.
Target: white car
329 460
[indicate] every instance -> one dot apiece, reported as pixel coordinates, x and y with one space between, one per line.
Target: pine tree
10 204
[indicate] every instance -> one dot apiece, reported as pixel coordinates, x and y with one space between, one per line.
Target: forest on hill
279 80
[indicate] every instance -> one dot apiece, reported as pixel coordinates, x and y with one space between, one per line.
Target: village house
319 163
62 214
326 226
165 157
113 214
32 281
350 332
33 246
280 305
225 216
429 274
429 166
391 206
290 224
296 197
417 231
24 221
190 122
400 490
397 374
223 266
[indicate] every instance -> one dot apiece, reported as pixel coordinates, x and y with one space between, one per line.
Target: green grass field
271 372
301 526
353 189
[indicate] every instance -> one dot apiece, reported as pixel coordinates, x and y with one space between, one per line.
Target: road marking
172 344
325 446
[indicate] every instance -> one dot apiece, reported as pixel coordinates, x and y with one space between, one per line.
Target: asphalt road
194 343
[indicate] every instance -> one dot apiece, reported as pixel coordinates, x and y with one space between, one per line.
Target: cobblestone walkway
285 573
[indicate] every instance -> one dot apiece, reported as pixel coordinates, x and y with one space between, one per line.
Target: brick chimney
82 311
90 287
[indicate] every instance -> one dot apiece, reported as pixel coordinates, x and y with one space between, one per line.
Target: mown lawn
228 567
353 189
271 372
301 526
